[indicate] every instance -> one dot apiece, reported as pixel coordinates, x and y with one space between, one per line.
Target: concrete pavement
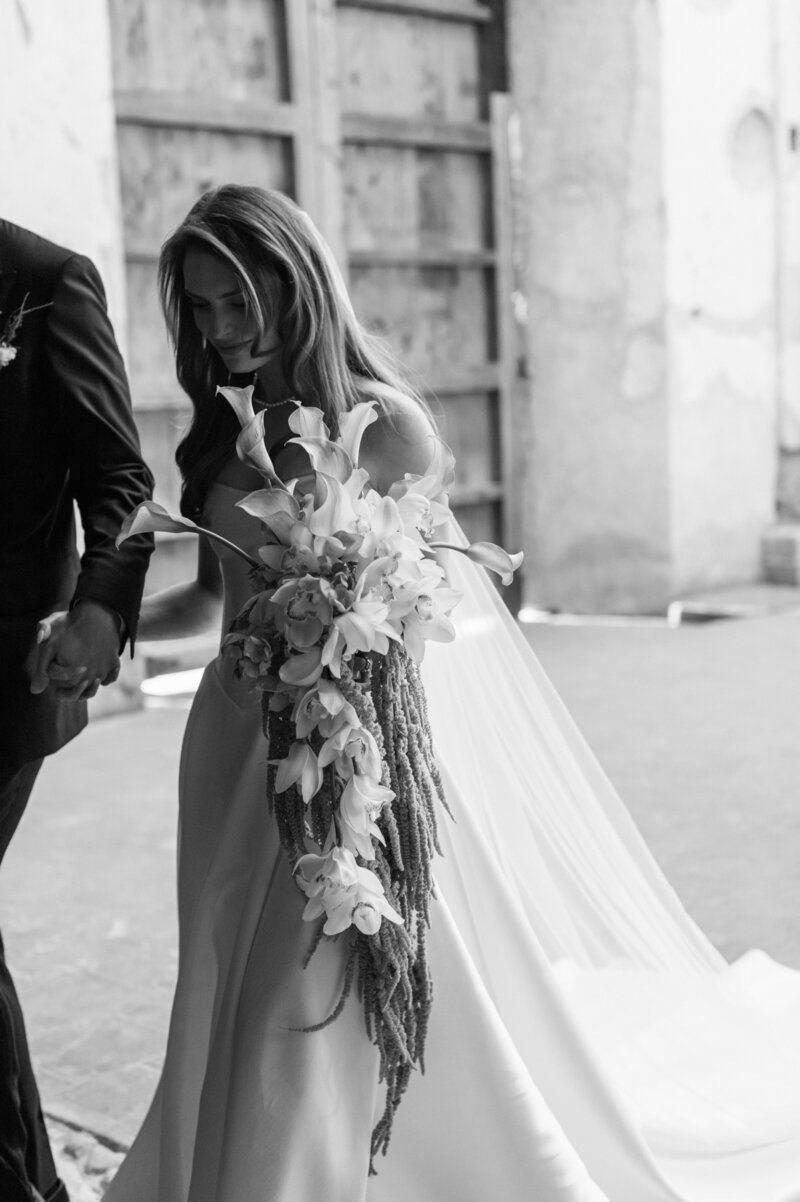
697 726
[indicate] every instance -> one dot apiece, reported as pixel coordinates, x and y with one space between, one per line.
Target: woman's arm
190 608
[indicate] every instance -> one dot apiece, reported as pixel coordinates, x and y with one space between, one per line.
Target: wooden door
384 119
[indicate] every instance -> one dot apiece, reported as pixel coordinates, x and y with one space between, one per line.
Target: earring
204 342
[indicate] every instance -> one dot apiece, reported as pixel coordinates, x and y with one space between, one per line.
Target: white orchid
347 894
360 804
364 627
428 620
351 748
300 766
303 611
323 708
302 668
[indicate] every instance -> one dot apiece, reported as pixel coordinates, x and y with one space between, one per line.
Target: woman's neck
271 384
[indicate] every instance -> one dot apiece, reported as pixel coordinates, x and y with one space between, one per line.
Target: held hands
76 651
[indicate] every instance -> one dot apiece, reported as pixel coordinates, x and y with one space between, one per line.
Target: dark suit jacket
67 435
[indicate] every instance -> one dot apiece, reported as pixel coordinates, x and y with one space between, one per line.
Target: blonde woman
574 1048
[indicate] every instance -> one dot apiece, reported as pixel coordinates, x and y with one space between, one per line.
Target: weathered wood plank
311 35
511 442
161 427
468 424
396 65
481 494
151 365
480 520
447 10
162 171
451 381
193 47
192 112
413 198
389 256
434 317
402 131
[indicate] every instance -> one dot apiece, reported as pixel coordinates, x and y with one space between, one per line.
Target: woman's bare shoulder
402 440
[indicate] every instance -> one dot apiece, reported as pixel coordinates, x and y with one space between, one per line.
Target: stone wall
586 79
650 244
720 198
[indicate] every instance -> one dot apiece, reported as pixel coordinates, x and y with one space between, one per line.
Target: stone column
649 231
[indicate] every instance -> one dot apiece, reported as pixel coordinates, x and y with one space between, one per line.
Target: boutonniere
8 352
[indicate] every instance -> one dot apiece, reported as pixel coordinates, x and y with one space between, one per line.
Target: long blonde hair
329 359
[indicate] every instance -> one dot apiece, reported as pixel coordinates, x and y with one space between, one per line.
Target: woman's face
222 315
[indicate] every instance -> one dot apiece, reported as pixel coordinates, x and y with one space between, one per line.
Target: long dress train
586 1042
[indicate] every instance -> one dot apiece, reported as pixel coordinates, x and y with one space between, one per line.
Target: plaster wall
651 242
720 197
586 81
788 160
58 173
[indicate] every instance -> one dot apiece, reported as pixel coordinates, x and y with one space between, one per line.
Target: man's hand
76 651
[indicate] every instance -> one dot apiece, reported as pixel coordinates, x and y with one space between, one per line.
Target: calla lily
309 422
352 426
265 503
302 767
489 556
250 446
152 518
333 507
149 517
327 457
240 401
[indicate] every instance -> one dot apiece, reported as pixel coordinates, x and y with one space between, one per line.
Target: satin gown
530 1091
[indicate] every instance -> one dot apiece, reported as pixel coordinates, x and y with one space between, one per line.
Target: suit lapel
8 280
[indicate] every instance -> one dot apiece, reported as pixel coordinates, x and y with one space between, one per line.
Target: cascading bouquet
347 589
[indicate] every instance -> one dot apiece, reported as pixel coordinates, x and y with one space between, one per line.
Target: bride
586 1041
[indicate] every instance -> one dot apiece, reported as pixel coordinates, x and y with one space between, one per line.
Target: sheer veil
705 1055
591 889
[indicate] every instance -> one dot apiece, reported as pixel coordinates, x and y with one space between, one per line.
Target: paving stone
84 1163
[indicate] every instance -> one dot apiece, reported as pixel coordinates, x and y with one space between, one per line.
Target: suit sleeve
107 474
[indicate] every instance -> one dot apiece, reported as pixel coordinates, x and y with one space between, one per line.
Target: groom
67 436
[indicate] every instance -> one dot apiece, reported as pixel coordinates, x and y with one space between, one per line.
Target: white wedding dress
587 1042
